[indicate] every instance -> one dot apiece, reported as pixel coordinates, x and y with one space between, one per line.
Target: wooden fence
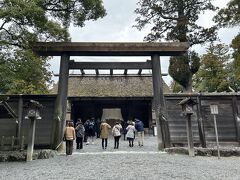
202 120
12 143
228 119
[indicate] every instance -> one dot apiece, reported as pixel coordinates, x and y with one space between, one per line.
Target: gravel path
125 163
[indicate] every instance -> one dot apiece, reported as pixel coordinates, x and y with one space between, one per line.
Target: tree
24 22
176 20
175 87
212 75
26 74
183 68
234 82
236 56
229 16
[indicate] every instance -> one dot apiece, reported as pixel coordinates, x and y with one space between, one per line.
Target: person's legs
77 143
70 147
81 142
132 142
67 147
98 134
118 137
139 138
129 140
142 137
115 142
106 142
102 143
85 138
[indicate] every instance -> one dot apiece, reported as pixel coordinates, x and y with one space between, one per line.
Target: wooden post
61 102
216 133
2 142
236 117
158 101
31 138
22 143
200 123
20 114
190 136
12 142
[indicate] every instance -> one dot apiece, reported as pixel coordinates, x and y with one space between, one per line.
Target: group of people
82 132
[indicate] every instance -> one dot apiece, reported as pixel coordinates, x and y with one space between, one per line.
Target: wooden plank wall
225 120
228 126
8 126
177 122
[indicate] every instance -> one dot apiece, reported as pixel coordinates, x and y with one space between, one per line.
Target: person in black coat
80 130
97 125
91 129
86 126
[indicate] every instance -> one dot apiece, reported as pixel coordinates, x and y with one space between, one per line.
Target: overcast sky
117 27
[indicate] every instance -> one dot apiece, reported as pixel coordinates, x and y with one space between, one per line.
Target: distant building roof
110 86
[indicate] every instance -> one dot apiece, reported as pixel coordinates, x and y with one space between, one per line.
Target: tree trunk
188 89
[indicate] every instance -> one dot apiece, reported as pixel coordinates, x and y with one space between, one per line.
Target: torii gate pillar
61 103
159 104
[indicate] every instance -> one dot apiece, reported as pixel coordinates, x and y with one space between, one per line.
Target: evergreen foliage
25 22
229 16
213 75
176 20
236 56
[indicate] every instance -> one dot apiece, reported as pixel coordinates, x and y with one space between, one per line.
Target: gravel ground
125 163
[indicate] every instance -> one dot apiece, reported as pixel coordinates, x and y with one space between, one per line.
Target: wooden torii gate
67 49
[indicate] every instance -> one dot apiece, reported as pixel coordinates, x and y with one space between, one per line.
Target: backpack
80 131
91 126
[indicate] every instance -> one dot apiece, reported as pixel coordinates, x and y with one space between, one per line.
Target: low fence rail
12 143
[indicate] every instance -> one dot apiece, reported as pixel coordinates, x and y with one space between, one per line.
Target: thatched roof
110 86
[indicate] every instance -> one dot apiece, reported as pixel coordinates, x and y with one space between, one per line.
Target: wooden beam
200 123
61 103
159 104
10 110
97 73
31 139
190 136
110 65
110 48
20 115
235 114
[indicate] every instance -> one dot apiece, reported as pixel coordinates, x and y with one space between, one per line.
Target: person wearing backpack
91 129
139 126
80 130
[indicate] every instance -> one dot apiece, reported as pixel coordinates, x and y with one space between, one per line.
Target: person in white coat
116 131
130 133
